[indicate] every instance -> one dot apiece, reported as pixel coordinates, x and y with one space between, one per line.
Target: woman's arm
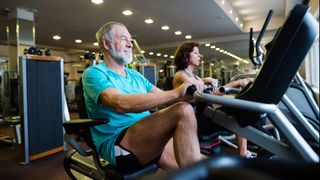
238 83
180 78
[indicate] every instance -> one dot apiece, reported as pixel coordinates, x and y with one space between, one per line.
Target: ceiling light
148 21
78 41
76 65
212 47
230 12
178 33
221 50
171 56
150 53
207 44
56 37
97 1
96 44
127 12
241 25
165 28
217 49
188 37
166 55
158 54
237 19
222 2
142 51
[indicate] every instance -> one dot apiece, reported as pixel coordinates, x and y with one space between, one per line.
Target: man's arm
180 78
123 103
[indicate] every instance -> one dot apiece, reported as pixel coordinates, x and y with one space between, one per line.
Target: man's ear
106 44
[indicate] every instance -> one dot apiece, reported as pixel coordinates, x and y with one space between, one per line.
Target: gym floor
50 167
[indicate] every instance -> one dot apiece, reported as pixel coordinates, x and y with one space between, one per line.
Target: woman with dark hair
187 58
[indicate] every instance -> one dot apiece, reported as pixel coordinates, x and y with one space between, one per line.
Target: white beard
120 57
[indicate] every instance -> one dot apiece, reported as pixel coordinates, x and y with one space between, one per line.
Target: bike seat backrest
82 110
167 83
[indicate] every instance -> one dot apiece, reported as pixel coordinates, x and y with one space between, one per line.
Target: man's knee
183 108
184 111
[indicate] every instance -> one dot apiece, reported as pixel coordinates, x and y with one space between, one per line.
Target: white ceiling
256 9
203 19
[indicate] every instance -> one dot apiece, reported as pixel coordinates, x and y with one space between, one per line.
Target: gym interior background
63 32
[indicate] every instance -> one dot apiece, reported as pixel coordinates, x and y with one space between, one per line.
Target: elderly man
134 138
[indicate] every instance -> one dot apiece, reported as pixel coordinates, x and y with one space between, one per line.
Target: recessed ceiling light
241 25
237 19
148 21
230 12
217 49
178 33
76 65
188 36
127 12
212 47
97 1
142 51
78 41
150 53
171 56
158 54
166 55
165 28
207 44
96 44
56 37
222 2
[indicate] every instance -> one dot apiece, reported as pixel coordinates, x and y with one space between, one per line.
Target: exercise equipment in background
34 51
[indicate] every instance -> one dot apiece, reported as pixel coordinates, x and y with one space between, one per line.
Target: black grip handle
208 87
191 89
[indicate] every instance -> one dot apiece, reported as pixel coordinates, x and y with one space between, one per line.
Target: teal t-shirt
96 79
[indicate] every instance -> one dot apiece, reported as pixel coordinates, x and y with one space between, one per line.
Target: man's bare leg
149 136
168 160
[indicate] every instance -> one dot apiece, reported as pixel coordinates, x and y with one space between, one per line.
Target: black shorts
129 163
